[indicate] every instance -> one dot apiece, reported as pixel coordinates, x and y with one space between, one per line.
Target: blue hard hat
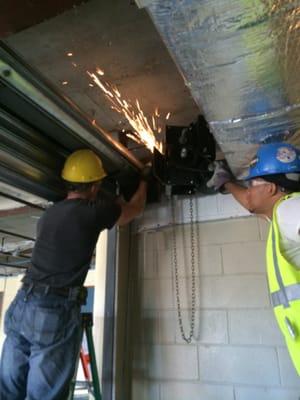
275 158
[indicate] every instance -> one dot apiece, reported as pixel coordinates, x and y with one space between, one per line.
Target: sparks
153 122
143 132
117 92
99 71
100 84
134 137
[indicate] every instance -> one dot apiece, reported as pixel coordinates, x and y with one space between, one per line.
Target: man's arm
238 192
134 206
223 181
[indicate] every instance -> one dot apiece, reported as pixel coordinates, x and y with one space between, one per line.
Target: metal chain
186 338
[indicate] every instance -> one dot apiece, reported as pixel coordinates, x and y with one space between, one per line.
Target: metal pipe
18 200
8 253
109 333
16 235
11 266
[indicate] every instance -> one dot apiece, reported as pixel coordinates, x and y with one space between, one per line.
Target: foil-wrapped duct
241 61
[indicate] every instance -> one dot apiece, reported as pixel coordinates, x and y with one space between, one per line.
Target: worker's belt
76 293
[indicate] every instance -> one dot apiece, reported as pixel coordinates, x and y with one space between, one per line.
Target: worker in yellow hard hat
83 166
274 192
43 322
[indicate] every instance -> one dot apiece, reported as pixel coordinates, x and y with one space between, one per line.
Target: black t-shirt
67 234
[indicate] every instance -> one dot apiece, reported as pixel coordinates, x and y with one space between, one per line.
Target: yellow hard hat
83 166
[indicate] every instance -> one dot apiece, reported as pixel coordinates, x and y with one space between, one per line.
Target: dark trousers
41 348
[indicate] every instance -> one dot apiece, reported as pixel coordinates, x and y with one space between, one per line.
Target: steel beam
16 235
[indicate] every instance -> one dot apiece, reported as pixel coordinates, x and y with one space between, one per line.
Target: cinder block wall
238 352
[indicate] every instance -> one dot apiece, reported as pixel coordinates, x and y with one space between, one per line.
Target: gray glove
221 175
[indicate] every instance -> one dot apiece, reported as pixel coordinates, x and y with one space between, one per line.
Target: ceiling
36 11
121 40
115 36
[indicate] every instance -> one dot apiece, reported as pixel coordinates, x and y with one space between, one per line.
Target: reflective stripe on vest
281 295
287 293
284 284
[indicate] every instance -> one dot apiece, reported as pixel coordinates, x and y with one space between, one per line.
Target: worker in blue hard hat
274 192
274 163
43 323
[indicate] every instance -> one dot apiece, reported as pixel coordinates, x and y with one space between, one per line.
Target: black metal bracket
189 151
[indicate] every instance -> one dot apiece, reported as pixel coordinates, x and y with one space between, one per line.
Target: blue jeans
41 348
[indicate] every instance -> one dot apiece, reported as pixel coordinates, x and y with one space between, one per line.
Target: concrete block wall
238 352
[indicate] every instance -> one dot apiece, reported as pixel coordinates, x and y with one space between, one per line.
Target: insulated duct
240 59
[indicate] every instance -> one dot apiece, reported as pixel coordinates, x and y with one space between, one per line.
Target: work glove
221 175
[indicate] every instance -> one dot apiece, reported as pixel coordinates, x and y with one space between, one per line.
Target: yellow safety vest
284 284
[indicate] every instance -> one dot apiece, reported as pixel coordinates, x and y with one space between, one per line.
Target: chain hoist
186 338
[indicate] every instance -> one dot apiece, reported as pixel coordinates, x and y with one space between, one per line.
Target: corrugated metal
39 128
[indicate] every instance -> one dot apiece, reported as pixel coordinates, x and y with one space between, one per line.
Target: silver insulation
241 61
